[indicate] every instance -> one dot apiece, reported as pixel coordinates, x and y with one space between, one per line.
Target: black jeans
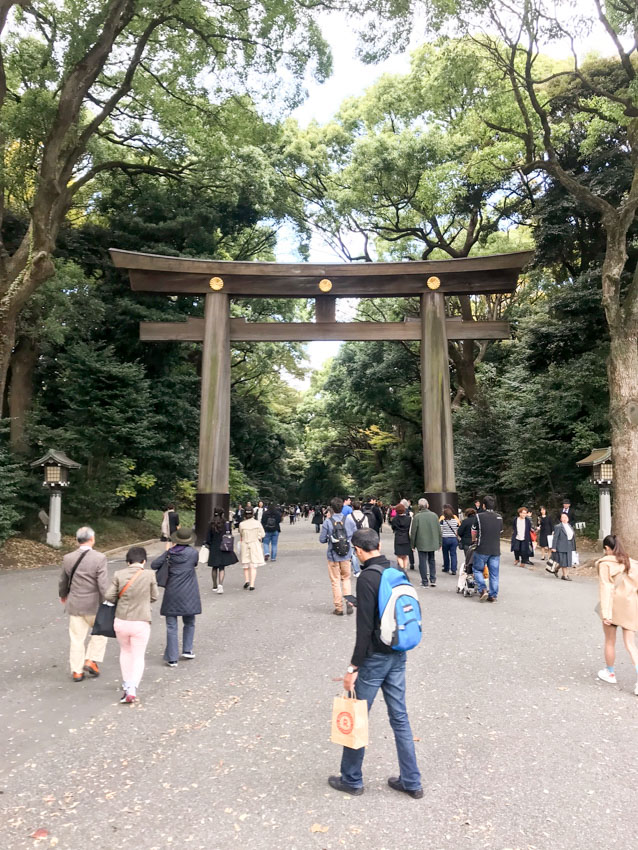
426 559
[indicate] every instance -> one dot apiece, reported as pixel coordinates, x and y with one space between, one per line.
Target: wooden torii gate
220 281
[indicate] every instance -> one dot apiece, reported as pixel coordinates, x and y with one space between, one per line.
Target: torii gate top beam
182 275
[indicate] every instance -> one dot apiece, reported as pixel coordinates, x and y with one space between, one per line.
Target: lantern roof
56 458
597 456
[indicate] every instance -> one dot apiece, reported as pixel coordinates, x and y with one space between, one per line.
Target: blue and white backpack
399 609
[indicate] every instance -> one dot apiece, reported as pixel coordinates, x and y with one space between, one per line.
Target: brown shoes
337 612
78 677
484 596
91 668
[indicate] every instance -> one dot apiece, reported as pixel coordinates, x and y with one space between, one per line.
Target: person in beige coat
251 533
618 586
132 591
83 583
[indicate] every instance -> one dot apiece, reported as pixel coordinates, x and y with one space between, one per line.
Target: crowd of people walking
469 543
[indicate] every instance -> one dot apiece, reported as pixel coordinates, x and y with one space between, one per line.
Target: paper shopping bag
349 722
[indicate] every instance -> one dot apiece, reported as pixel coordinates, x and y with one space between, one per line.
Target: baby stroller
466 584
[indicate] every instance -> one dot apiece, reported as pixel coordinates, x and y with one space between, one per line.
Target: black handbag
105 617
104 620
161 574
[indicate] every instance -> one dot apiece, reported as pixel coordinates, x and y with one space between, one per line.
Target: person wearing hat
181 593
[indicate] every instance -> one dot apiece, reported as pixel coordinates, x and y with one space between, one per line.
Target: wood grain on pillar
214 430
436 405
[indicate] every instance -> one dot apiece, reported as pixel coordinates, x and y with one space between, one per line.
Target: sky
350 77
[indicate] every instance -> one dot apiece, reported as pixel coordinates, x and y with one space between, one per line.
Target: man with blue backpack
388 624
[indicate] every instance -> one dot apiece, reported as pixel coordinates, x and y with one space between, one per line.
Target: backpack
339 539
271 523
372 520
359 522
399 610
227 543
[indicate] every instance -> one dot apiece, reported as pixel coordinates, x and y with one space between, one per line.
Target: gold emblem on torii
216 283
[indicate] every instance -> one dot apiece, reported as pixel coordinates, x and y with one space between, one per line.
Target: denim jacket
325 535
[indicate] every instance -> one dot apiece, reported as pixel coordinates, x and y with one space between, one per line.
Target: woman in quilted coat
181 593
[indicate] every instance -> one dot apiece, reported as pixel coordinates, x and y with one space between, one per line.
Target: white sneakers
220 588
606 676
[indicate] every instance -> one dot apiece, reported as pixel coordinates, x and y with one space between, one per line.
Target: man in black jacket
271 521
375 665
488 549
373 513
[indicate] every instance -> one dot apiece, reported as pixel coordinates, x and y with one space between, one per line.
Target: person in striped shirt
449 529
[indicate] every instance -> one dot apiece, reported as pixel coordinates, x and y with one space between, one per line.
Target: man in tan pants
83 583
337 531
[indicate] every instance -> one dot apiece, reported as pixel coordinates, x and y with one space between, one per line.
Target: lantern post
55 466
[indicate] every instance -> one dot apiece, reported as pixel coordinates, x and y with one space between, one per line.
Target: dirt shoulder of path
114 533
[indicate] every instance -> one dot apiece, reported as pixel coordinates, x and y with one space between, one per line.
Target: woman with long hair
219 559
400 524
251 533
618 587
544 529
563 547
449 529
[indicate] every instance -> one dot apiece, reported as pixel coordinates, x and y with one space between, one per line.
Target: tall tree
390 177
522 98
111 85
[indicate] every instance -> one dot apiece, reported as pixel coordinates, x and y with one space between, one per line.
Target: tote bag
349 722
105 617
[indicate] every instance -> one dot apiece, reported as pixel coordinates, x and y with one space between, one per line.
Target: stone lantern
55 467
602 476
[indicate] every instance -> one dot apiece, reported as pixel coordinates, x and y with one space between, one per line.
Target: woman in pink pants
132 590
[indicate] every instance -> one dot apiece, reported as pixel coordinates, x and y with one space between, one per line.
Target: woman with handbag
618 588
251 533
449 529
563 546
176 573
544 529
132 591
221 550
522 541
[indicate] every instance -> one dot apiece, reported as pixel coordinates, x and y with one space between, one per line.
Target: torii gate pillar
214 428
436 406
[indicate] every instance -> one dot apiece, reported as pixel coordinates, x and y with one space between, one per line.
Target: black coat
273 513
465 531
181 594
216 558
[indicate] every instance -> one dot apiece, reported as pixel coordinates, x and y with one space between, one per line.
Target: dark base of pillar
437 500
205 504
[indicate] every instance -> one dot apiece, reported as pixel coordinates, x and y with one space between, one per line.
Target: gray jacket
89 584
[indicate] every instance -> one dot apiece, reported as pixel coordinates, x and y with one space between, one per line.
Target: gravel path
519 745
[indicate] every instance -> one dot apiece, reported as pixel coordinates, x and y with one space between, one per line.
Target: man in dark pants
488 550
375 665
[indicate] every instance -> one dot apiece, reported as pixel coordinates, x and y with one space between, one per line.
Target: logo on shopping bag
345 722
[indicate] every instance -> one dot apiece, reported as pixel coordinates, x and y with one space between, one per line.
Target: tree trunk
23 361
622 370
16 291
7 341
